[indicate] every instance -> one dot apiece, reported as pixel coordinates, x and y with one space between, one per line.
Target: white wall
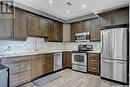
66 32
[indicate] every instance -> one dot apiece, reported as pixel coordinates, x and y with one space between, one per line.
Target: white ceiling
59 7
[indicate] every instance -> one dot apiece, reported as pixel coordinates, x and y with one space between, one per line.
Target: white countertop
6 55
9 55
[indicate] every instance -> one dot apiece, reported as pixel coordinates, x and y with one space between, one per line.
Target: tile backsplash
38 44
74 46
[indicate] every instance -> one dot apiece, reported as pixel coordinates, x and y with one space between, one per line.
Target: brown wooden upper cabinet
91 26
76 28
20 24
116 17
33 25
43 27
37 26
55 31
14 28
6 28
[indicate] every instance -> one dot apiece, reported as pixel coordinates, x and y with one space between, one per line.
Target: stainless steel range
79 58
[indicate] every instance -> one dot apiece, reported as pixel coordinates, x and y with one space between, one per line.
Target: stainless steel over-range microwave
82 37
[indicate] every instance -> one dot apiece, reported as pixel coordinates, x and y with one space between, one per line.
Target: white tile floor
70 78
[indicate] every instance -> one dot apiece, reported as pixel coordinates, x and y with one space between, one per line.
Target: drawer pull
93 68
93 60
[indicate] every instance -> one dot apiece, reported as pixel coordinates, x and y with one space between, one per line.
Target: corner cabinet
91 26
15 27
55 31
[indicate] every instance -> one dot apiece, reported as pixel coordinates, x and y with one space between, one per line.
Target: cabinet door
87 26
59 32
51 32
55 31
121 17
49 63
20 78
6 28
95 30
20 24
43 28
76 28
33 25
37 66
67 60
106 19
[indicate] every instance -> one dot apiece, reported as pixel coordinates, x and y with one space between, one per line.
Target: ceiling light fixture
50 1
68 3
68 11
83 6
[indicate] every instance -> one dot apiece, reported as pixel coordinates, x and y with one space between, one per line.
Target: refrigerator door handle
102 44
108 61
121 62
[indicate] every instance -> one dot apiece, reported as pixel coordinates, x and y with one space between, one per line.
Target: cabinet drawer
20 78
18 59
93 58
19 66
93 68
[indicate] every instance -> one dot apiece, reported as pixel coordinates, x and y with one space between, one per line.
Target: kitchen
48 43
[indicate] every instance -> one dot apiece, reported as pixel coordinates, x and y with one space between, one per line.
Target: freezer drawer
114 70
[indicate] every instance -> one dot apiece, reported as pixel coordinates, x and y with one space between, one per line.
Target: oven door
79 59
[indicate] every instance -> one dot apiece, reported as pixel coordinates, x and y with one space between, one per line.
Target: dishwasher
4 76
57 61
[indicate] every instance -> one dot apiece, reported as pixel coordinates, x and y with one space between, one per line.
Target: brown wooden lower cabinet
27 68
94 63
67 60
20 69
38 61
49 63
41 64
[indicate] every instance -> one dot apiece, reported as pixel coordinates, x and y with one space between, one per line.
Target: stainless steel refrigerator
114 54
